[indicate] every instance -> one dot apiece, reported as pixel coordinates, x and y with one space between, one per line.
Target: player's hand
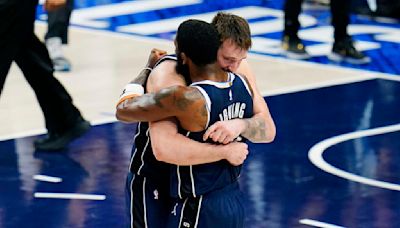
236 153
154 56
51 5
225 131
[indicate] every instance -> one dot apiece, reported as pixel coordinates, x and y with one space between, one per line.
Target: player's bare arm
154 56
259 128
164 144
185 103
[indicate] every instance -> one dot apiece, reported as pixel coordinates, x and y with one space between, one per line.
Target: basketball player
187 152
235 40
214 95
148 179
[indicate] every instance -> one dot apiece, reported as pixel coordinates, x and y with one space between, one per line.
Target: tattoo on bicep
158 97
204 111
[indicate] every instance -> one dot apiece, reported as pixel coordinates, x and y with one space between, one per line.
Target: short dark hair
230 26
199 41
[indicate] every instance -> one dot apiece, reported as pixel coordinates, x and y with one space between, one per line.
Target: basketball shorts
220 208
148 202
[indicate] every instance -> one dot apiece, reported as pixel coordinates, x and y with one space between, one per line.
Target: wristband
148 68
131 90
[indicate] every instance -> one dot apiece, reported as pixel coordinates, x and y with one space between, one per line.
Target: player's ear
184 58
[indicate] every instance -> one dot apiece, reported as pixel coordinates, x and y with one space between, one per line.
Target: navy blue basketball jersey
143 161
225 100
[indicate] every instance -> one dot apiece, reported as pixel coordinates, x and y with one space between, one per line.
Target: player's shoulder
164 75
186 95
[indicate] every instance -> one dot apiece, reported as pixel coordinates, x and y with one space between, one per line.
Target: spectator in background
343 47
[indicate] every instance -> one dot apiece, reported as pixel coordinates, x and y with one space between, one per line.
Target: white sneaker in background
54 46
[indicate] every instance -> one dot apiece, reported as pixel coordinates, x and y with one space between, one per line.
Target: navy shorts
220 208
148 202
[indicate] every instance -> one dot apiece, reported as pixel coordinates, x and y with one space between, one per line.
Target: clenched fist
236 153
154 56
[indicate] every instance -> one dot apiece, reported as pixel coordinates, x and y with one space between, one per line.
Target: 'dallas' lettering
233 111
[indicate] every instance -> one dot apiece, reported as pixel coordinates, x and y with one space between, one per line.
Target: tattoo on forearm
255 129
142 77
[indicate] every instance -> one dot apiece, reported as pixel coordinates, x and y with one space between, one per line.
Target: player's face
230 56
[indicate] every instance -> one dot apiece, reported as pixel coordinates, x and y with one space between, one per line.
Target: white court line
47 178
92 16
315 223
51 195
315 156
318 85
389 77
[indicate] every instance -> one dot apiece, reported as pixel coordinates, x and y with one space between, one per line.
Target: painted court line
47 178
94 16
319 85
315 156
315 223
50 195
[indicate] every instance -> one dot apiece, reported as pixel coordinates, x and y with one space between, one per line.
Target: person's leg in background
57 35
63 120
343 48
291 44
18 43
12 32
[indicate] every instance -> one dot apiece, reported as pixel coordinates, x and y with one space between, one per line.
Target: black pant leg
58 22
292 9
4 68
340 10
18 43
13 30
59 112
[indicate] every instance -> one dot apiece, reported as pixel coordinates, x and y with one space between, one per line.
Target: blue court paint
95 164
284 186
379 40
281 185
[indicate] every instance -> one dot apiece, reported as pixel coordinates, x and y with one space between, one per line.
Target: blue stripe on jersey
228 100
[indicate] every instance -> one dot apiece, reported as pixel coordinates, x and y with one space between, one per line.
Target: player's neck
209 72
